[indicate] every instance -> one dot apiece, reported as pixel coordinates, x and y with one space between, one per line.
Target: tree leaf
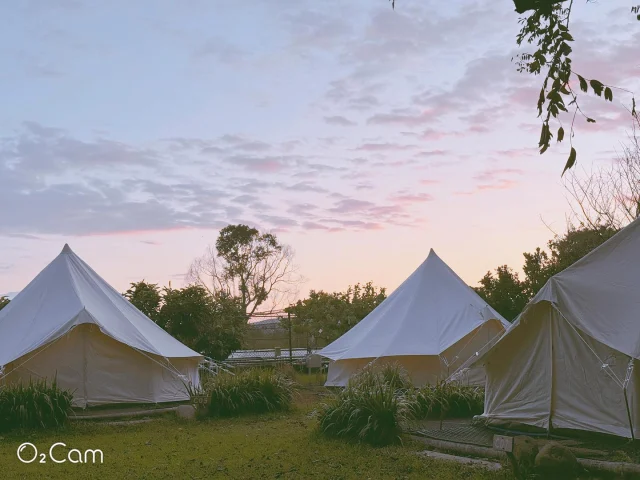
584 86
571 161
590 120
540 102
566 36
608 94
560 134
597 87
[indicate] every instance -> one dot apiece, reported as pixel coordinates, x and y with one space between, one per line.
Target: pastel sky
361 135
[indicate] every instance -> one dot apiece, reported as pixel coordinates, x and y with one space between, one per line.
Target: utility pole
290 349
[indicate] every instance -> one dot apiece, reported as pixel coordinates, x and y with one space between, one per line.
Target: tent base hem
511 426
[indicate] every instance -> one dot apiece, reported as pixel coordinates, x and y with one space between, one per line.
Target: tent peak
66 248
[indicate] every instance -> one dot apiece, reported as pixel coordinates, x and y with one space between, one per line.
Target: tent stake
626 400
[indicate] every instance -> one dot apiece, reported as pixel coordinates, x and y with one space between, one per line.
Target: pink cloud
478 129
435 135
270 164
429 182
430 134
493 179
383 147
526 96
501 184
360 224
387 210
410 120
517 153
606 120
431 153
614 66
350 205
339 120
412 198
395 163
491 174
529 127
131 233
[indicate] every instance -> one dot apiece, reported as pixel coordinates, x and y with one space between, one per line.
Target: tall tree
4 301
327 316
209 324
504 292
146 297
251 266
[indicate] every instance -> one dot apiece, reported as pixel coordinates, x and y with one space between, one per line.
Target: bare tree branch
608 196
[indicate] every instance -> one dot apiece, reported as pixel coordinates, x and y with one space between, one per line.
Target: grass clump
249 391
449 400
371 408
38 404
379 402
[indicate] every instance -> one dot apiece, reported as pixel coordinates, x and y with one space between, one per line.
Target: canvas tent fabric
569 361
71 324
429 325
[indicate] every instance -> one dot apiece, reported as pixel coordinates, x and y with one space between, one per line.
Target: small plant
249 391
37 404
371 409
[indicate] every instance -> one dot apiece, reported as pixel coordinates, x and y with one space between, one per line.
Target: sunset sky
360 135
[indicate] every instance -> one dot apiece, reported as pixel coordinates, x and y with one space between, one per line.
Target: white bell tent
68 323
429 325
568 361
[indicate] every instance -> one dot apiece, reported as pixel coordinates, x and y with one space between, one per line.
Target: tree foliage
146 297
251 266
4 301
563 252
546 25
327 316
213 325
504 290
209 324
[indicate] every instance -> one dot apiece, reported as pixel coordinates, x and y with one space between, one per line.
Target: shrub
249 391
370 409
449 400
37 404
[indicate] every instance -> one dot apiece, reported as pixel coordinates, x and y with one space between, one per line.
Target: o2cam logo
28 453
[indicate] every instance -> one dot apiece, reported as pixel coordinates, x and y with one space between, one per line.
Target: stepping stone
186 411
493 466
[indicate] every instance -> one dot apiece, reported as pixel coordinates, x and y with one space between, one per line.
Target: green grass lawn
266 446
